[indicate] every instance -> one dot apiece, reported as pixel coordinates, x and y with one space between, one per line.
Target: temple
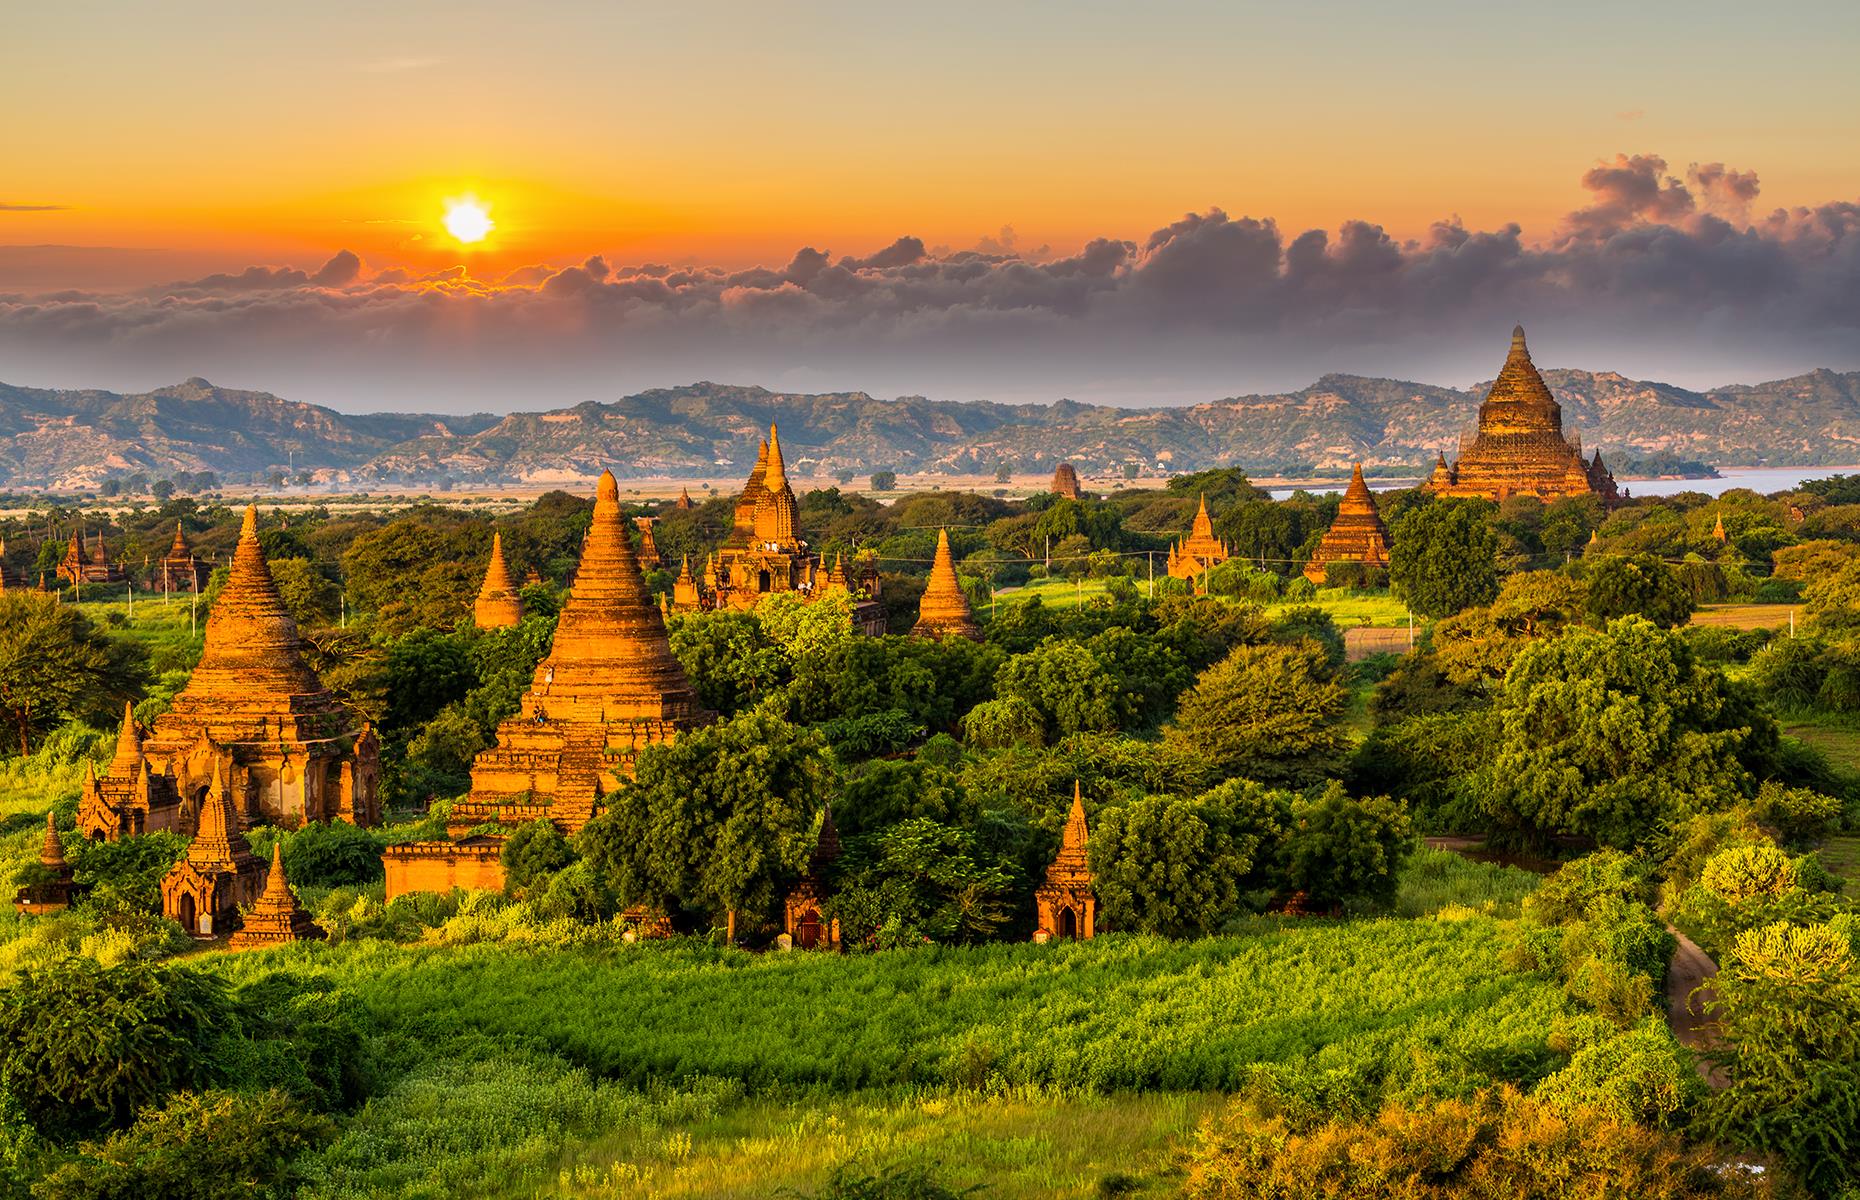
180 569
1357 535
943 611
56 891
220 874
683 503
765 554
498 605
1200 550
86 562
1066 482
253 718
1519 448
801 917
1065 902
649 559
276 918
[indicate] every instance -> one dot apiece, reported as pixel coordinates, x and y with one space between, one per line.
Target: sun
468 220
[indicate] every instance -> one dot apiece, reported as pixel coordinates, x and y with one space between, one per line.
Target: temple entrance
326 805
1068 924
762 581
808 931
184 912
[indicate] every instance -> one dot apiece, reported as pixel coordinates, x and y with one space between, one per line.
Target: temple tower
802 919
1200 550
498 605
1066 482
53 894
1357 535
205 890
944 611
1067 906
276 918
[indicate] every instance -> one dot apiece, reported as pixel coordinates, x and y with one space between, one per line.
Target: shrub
1640 1076
1343 850
533 852
1798 815
1741 872
1169 865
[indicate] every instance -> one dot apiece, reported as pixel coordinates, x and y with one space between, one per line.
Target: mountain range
77 439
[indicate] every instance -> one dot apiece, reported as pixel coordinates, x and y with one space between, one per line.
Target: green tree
1344 850
1067 684
1270 713
309 595
920 879
1636 585
55 665
1177 866
1610 733
884 481
1443 557
533 852
729 658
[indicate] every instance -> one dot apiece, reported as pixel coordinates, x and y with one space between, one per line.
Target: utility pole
1411 629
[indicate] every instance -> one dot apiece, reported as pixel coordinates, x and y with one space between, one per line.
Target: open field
1841 743
1744 616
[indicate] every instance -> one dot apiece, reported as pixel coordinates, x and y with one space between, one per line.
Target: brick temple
944 610
1357 535
1519 448
1200 550
1066 905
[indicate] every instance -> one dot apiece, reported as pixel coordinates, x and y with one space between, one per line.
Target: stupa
181 570
54 893
801 919
1066 482
206 889
765 554
683 503
498 605
1200 550
86 562
253 714
649 559
276 918
1067 906
944 611
1519 448
1357 535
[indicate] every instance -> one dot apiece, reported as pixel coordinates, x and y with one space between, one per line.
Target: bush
1168 865
1742 872
1342 850
533 852
1640 1076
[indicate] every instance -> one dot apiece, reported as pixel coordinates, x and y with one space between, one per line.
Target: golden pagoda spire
276 917
51 851
775 478
944 609
178 547
128 745
218 826
252 645
277 888
1203 525
1717 531
498 604
776 513
1072 841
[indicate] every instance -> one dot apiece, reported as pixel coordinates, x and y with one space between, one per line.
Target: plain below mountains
78 439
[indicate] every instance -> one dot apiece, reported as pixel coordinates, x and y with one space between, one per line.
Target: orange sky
734 133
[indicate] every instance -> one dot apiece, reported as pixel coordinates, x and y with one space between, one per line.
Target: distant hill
77 439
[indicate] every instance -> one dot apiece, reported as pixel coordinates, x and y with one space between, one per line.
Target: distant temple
944 611
801 919
181 570
86 562
220 875
1067 906
649 559
276 918
683 503
253 719
1066 482
498 605
56 892
1520 448
765 554
1200 550
1357 535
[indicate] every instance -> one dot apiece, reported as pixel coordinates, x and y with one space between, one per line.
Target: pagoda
765 554
498 605
1519 448
254 715
86 562
180 570
609 687
54 893
649 559
801 918
205 890
944 611
1067 906
1357 535
276 918
128 799
1066 482
683 503
1200 550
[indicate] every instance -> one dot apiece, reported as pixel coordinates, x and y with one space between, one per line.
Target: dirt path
1685 1011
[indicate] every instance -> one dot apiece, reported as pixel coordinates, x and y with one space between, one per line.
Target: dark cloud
1664 275
24 208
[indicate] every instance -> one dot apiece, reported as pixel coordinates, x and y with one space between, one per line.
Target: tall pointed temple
1200 550
1357 535
55 891
1065 902
649 557
276 917
943 611
1066 482
253 714
181 569
498 605
220 875
765 554
86 562
1519 448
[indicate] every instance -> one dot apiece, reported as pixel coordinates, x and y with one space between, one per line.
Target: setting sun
468 220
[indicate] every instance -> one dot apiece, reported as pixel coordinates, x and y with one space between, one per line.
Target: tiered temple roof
498 604
649 558
1066 482
1520 448
944 611
276 918
181 570
56 892
1200 550
86 562
1067 906
205 890
1357 535
683 503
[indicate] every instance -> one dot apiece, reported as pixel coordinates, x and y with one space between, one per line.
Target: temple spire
252 644
944 609
775 478
498 604
128 744
51 851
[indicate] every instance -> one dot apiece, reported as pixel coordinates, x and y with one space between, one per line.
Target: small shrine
276 918
944 610
86 562
1067 906
180 569
1357 535
1200 551
1066 482
801 919
205 890
498 605
649 559
55 892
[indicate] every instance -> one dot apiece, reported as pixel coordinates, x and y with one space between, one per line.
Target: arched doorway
1068 924
762 582
809 930
185 913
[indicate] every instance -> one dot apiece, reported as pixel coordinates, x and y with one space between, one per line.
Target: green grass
1061 593
1347 607
1841 855
1442 883
1839 741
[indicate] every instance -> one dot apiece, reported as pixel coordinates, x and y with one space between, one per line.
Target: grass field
1350 609
1744 616
1841 743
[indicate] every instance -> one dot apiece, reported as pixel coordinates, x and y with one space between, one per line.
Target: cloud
26 208
1668 275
